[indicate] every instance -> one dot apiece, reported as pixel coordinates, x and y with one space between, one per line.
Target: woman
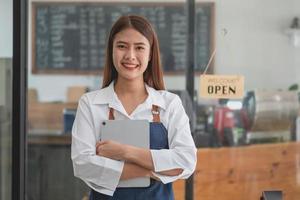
133 88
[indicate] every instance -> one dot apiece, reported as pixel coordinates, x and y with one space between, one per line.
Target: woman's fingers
99 143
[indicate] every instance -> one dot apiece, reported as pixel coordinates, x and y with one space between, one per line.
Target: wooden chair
32 95
271 195
74 93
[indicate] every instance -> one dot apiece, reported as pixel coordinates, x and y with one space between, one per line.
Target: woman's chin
130 77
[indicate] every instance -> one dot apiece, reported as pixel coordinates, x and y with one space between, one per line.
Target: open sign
221 86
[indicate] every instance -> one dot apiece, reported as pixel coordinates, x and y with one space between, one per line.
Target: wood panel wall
242 173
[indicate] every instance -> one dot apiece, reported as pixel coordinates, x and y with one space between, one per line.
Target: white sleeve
100 173
182 152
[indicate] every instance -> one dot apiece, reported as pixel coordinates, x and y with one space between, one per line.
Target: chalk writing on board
73 36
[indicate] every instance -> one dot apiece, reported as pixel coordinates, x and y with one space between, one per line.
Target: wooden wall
242 173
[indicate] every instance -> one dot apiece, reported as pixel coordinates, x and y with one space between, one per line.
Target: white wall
255 46
6 28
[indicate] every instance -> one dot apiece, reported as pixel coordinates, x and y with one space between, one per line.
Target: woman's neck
131 93
135 88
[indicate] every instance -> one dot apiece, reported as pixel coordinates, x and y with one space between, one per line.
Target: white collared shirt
103 174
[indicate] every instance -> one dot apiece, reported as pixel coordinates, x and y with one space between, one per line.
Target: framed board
71 37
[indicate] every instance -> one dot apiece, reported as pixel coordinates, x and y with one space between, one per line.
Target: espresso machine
272 115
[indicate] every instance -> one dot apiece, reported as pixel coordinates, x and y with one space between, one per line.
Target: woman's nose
130 54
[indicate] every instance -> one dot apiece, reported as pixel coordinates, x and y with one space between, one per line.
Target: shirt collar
155 97
107 95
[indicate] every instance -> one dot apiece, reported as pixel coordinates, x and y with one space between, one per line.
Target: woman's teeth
130 65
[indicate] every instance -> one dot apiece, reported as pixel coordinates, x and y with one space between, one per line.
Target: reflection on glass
50 171
262 130
263 116
5 128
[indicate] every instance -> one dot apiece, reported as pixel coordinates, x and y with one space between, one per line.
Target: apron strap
111 114
155 113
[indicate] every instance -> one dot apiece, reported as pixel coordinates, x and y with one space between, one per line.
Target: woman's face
131 54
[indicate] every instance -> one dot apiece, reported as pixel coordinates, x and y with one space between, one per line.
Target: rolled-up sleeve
182 152
100 173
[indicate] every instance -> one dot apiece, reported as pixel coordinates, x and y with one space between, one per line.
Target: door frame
19 103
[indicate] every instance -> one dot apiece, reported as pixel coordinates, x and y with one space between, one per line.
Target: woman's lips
130 65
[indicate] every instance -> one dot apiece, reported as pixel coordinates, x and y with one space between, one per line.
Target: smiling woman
145 37
133 89
131 54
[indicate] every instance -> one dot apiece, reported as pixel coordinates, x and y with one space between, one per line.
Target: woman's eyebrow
121 42
140 43
136 43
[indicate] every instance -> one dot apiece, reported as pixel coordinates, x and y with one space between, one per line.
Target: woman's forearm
132 170
139 156
143 158
134 155
171 172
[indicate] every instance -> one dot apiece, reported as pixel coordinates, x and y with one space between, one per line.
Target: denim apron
157 190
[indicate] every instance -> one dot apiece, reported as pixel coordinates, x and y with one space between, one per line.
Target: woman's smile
130 66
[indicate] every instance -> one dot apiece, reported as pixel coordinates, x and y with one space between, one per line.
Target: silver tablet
131 132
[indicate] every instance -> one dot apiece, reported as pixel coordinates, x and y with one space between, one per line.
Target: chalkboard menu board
71 37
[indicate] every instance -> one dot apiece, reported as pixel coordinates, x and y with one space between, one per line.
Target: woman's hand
151 175
111 149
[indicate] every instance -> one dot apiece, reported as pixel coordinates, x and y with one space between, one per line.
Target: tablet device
131 132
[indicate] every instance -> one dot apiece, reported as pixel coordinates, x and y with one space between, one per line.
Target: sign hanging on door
222 86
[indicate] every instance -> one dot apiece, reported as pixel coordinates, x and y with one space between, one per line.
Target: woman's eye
121 46
140 48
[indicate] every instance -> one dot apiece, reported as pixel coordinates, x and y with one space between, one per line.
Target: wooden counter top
231 173
49 139
242 173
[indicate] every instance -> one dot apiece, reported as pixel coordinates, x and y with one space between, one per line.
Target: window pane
5 98
245 145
